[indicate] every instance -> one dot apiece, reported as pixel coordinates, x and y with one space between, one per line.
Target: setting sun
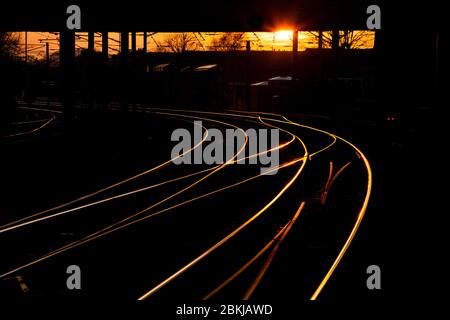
283 35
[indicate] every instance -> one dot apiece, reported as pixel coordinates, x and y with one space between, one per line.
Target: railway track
246 227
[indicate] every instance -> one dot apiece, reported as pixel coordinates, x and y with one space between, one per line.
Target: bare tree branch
229 41
181 42
9 44
348 39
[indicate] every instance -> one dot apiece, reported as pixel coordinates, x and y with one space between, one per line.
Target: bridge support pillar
67 63
124 72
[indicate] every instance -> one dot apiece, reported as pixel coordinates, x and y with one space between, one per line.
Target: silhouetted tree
181 42
9 44
348 39
9 48
228 41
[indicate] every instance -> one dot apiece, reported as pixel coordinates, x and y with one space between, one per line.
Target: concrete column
67 64
133 42
294 74
124 44
247 75
294 54
124 70
105 80
144 45
90 72
91 42
320 40
335 40
105 45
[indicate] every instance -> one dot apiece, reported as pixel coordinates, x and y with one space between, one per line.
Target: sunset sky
203 41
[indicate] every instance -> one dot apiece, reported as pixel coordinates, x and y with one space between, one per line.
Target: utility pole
47 55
